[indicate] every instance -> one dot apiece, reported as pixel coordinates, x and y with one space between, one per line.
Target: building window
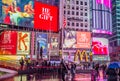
77 24
85 14
85 9
77 2
77 7
81 8
85 20
68 23
68 12
72 24
77 13
72 12
81 2
64 12
81 24
85 3
73 8
81 13
86 25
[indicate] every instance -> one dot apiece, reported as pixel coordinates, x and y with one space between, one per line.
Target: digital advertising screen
69 39
18 12
46 17
8 41
41 41
100 46
107 3
23 43
83 40
53 41
75 39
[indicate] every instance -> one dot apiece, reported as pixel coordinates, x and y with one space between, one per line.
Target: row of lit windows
78 2
75 13
77 24
73 7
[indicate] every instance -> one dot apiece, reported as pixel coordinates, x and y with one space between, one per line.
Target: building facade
75 27
101 26
115 38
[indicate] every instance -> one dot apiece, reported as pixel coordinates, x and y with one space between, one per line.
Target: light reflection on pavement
82 77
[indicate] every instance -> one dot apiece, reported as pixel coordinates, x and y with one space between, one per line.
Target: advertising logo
46 17
23 46
46 14
83 40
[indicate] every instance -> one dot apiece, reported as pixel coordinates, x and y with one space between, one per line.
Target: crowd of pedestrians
65 70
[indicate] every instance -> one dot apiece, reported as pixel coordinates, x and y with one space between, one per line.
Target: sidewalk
9 73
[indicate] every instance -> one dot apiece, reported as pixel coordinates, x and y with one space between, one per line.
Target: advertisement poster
100 46
41 41
53 41
18 12
23 43
46 17
83 40
8 41
75 39
69 39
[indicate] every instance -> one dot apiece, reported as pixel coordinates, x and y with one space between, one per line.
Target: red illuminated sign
46 17
8 41
100 46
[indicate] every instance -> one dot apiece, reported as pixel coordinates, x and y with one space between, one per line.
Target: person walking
73 70
21 63
64 69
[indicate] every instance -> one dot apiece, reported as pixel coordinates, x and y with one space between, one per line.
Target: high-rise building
74 27
101 26
115 38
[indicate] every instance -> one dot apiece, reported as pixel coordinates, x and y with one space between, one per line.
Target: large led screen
107 3
76 39
46 17
23 43
100 46
8 41
18 12
41 41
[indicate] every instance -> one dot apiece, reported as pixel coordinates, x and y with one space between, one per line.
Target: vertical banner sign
8 40
32 43
23 43
41 41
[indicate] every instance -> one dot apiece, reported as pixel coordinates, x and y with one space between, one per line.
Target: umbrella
114 65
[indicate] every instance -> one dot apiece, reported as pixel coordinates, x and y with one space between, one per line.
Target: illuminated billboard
23 43
8 41
101 13
46 17
76 39
107 3
100 46
18 12
83 40
69 39
53 41
41 41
